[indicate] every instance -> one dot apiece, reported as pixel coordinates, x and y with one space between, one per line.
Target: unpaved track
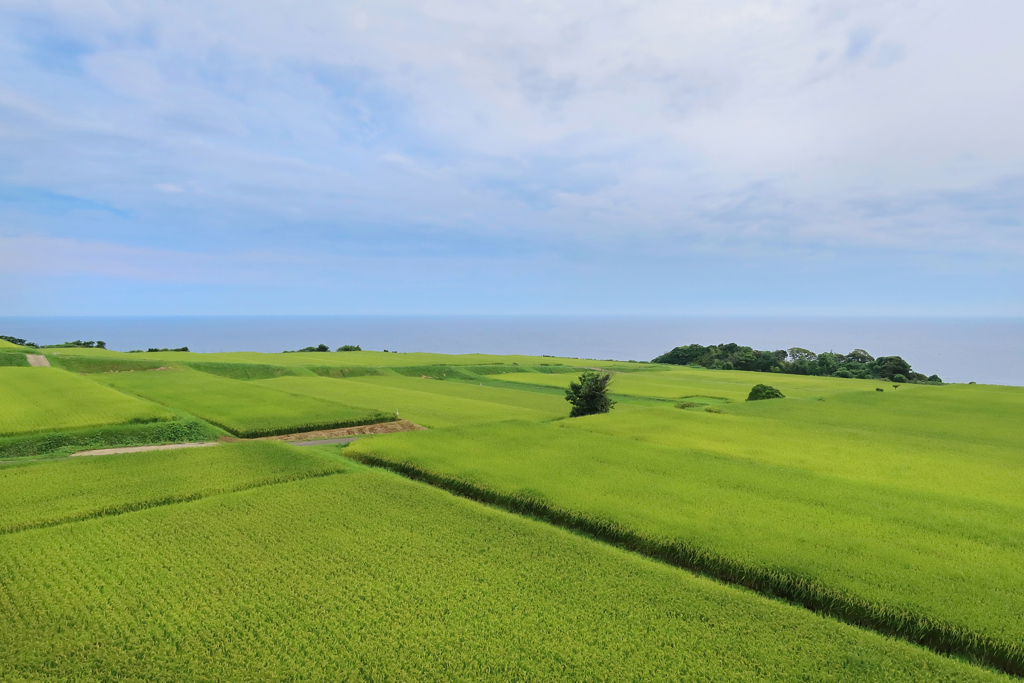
140 449
344 432
37 361
318 438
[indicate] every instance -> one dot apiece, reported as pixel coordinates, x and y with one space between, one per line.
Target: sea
982 350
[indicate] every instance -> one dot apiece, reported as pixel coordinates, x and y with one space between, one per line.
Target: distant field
45 399
901 501
353 358
79 488
4 344
364 576
679 383
428 404
246 409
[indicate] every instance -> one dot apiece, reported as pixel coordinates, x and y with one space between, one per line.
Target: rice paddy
44 399
364 576
246 409
424 406
898 510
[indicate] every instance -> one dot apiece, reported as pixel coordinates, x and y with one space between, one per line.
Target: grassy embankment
363 575
898 509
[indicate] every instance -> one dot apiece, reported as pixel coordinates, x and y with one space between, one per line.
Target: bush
713 409
899 378
687 404
763 392
589 396
349 347
879 389
936 379
843 372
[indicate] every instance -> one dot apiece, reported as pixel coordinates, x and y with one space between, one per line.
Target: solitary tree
589 396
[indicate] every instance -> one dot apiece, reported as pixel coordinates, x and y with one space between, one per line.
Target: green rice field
423 401
365 576
74 489
248 409
747 532
45 399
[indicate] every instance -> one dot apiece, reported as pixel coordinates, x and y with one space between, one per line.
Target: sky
772 157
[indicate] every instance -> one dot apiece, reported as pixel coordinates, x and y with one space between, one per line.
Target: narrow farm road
139 449
37 361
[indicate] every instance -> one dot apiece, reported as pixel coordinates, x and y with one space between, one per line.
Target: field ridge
174 499
935 634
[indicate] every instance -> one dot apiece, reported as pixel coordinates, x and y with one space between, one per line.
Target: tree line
796 361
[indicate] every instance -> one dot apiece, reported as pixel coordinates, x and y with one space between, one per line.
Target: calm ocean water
987 351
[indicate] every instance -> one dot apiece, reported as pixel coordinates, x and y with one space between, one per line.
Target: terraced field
46 399
430 408
74 489
364 576
899 510
248 409
902 506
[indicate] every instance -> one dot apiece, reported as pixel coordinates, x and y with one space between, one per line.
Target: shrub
349 347
713 409
763 392
843 372
589 396
879 389
899 378
687 404
936 379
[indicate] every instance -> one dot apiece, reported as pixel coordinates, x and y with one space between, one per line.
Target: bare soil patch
37 361
360 430
140 449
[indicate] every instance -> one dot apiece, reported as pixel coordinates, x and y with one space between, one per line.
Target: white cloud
734 121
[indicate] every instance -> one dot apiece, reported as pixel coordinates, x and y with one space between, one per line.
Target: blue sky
531 157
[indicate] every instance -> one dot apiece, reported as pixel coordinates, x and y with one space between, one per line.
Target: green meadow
897 511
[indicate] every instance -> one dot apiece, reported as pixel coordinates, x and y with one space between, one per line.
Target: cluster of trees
324 348
78 344
795 361
19 341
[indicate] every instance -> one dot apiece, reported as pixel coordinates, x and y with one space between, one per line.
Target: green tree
589 396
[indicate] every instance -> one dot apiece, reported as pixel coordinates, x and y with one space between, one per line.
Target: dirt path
37 361
319 438
140 449
361 430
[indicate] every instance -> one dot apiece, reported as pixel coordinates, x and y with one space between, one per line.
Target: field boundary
936 635
136 506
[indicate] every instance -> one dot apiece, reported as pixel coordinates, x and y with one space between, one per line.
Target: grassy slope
4 344
243 408
80 488
424 407
365 576
38 399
